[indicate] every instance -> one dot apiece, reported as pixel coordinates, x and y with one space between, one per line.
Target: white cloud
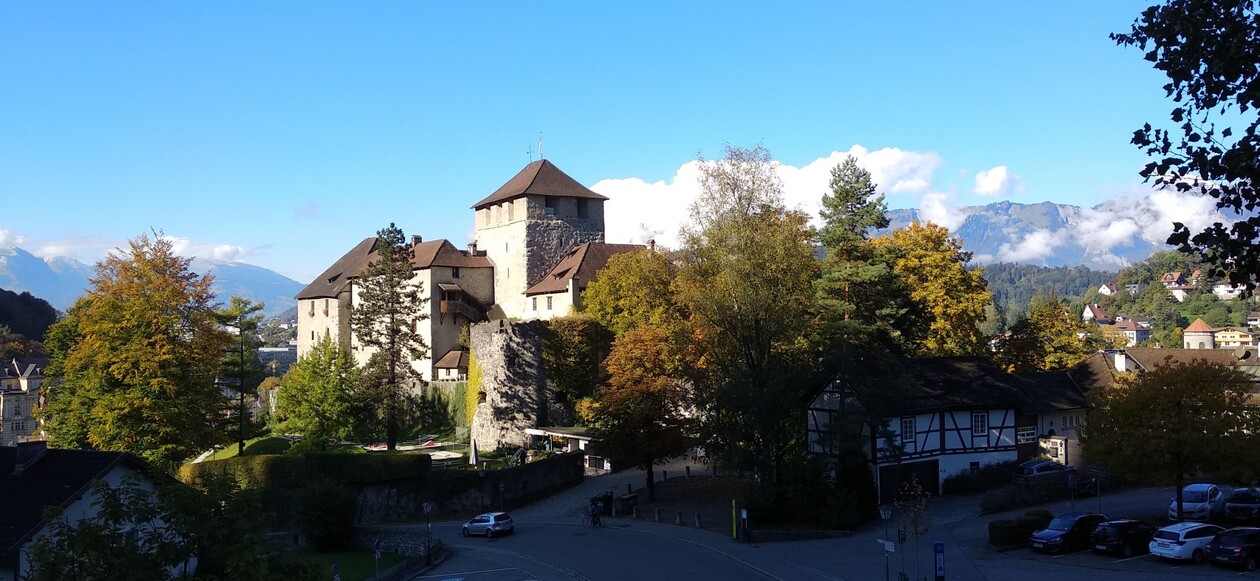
997 181
10 238
940 208
638 210
1035 246
224 252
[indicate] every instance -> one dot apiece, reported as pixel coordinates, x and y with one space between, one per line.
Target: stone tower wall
512 379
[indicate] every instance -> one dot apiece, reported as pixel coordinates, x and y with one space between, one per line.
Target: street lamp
885 512
428 538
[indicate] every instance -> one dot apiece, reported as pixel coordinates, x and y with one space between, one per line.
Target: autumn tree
639 418
633 288
241 366
1050 337
746 277
1209 50
950 297
317 396
386 318
136 358
1180 419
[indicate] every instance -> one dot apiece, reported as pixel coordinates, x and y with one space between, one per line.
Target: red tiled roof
454 359
542 178
1198 326
424 255
583 261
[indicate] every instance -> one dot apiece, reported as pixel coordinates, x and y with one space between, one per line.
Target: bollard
698 521
657 517
678 517
688 468
614 509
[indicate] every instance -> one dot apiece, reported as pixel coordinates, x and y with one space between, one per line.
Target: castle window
533 303
548 303
454 272
581 207
549 206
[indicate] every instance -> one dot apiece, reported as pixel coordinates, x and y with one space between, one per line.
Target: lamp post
428 537
885 512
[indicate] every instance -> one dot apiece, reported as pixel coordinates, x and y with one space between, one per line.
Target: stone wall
550 238
512 379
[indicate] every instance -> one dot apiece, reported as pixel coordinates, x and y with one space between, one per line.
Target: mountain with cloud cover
61 280
1108 236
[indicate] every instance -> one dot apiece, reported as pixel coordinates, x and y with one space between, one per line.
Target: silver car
488 524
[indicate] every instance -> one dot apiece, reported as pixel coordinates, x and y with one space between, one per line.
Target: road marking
1129 559
443 576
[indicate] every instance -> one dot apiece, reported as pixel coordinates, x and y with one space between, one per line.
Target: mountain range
61 280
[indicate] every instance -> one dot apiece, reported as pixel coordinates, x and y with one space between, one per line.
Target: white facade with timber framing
952 414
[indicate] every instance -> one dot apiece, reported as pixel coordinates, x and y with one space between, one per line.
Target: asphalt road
550 544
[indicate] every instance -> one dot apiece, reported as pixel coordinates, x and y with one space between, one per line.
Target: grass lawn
353 565
263 445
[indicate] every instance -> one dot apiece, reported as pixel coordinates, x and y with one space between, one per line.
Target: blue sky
281 133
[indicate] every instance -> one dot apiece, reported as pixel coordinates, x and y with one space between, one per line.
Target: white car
1183 541
1201 502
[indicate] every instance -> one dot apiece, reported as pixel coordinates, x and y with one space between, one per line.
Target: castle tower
1198 336
529 223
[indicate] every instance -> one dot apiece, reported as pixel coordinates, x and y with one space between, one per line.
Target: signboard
889 546
1097 471
938 549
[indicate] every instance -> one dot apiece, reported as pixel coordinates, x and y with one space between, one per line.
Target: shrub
985 478
1004 533
325 514
294 471
1019 494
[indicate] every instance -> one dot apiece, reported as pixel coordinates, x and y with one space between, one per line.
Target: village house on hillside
1200 335
20 383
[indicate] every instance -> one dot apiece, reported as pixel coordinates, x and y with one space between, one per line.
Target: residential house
1172 279
1253 319
1107 288
1094 312
1057 405
20 383
453 366
1144 322
1227 292
34 478
1133 333
956 413
1233 338
1100 370
1133 289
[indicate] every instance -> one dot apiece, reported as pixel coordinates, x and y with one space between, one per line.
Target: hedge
294 471
979 480
1013 533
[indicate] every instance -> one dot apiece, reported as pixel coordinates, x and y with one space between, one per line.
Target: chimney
652 246
27 454
416 239
472 248
1122 361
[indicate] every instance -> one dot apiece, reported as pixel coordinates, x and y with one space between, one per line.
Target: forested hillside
26 314
1014 285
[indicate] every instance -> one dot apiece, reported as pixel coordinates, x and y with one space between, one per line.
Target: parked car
1121 536
1065 533
1042 471
1237 546
1243 505
1041 468
1200 502
1183 541
488 524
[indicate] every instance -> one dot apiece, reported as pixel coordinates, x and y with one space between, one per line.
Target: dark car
1066 533
1122 536
1237 546
1243 505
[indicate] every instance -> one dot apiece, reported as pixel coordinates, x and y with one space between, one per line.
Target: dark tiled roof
542 178
454 359
1095 372
1150 358
424 255
1050 391
24 367
947 383
334 280
56 479
584 261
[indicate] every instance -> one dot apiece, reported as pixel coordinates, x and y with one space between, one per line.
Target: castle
539 239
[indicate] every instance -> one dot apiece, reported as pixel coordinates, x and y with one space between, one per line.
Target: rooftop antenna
529 150
540 155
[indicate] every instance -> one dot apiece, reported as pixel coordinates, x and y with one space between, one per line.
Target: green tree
851 209
317 396
1177 420
387 319
241 366
1051 337
573 348
640 415
634 288
950 297
747 274
137 358
1209 50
